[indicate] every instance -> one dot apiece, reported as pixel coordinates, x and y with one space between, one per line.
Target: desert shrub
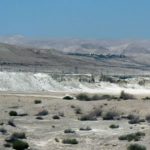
83 97
147 118
86 97
22 114
61 114
142 82
15 136
91 115
132 116
133 119
113 126
110 115
136 147
105 104
37 101
19 135
69 131
85 128
42 113
72 106
10 139
14 107
39 118
7 145
56 117
125 77
107 79
11 123
101 97
68 97
142 120
136 121
125 96
132 137
13 113
97 112
109 97
88 117
146 98
20 145
57 140
3 131
78 110
1 123
70 141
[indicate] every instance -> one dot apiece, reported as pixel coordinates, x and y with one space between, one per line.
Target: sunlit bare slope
21 58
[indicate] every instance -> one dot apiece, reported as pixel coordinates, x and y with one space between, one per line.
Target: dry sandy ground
41 134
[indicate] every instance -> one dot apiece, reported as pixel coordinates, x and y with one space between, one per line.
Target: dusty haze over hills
65 55
82 45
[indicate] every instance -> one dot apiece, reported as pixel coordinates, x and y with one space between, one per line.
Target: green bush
20 145
70 141
132 137
13 113
136 147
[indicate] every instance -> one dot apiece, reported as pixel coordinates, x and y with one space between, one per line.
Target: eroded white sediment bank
34 82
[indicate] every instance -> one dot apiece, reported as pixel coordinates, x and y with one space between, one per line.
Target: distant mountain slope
83 46
49 60
54 56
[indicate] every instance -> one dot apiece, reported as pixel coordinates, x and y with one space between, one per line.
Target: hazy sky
100 19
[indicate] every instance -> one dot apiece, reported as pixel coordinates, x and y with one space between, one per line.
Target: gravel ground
42 134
